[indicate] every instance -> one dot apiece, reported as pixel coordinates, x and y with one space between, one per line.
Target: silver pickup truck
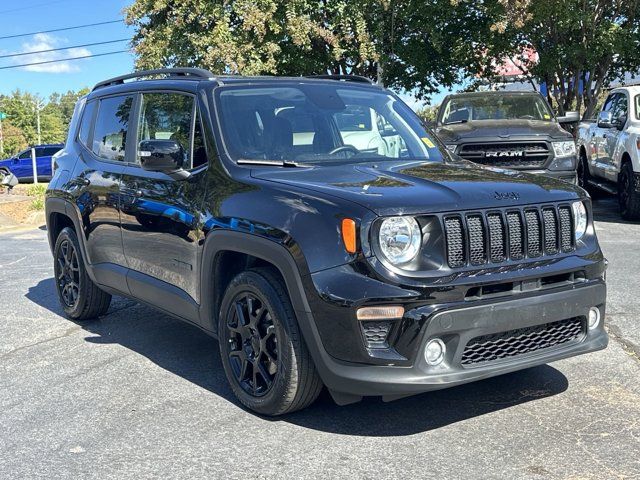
608 150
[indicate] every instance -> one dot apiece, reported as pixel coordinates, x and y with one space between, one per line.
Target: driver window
167 116
25 154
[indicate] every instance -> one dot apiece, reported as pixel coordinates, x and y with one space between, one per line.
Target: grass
36 190
37 204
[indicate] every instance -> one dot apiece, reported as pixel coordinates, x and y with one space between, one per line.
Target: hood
500 129
390 188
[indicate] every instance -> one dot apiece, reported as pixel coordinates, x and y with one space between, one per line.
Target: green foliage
37 204
428 113
36 190
20 127
415 45
588 42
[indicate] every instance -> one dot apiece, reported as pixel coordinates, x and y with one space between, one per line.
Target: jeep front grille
507 155
487 348
479 238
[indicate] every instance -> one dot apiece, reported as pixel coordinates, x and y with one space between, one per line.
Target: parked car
608 149
515 130
315 261
21 165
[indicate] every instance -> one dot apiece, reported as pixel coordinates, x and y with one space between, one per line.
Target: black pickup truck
515 130
389 268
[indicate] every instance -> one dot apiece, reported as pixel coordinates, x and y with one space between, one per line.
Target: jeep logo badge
506 196
504 153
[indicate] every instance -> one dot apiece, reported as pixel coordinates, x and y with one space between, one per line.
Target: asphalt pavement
137 394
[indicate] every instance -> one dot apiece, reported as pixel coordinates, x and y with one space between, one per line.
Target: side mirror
569 117
166 156
621 122
605 120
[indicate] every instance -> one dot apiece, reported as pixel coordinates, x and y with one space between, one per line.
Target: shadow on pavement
188 352
606 209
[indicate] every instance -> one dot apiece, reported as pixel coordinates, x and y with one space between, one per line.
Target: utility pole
2 116
38 104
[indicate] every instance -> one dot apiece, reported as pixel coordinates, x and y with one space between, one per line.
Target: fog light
434 351
594 317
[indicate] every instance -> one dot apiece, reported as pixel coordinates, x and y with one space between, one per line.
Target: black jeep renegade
321 234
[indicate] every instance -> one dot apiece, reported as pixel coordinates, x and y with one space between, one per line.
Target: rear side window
50 151
85 123
110 132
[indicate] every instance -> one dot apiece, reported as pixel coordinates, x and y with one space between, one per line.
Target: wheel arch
226 253
58 216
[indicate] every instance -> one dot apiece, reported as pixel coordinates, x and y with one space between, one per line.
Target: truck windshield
319 123
495 107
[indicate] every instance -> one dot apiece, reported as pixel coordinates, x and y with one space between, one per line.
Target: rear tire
628 195
265 358
79 297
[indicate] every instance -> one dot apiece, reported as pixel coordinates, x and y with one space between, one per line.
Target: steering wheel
345 148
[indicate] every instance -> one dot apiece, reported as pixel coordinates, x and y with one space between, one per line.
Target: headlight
579 219
400 239
564 149
451 148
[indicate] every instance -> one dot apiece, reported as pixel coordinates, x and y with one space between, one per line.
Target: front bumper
459 325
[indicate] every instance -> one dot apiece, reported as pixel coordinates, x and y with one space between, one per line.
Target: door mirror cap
569 117
605 120
166 156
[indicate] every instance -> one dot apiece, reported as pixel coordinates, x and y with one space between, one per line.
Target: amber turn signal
349 234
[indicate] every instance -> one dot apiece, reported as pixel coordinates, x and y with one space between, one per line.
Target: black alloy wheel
253 344
67 273
265 358
80 298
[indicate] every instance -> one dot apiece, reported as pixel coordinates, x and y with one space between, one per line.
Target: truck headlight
400 239
579 219
564 149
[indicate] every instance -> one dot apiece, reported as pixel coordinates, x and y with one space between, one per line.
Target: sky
29 16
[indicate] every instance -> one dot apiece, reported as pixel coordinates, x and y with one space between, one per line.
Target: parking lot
137 394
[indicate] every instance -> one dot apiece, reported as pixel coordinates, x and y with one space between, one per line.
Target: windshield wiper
273 163
455 121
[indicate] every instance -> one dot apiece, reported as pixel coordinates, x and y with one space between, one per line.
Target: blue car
22 167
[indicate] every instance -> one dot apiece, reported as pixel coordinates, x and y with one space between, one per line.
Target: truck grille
507 155
495 237
523 340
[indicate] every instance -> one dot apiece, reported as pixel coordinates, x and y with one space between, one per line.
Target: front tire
79 297
265 358
584 177
628 195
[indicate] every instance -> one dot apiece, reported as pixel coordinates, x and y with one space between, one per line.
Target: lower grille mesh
523 340
376 332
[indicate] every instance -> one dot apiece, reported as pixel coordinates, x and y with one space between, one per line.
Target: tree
582 45
252 37
13 139
415 45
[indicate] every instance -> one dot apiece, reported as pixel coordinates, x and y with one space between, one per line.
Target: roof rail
194 73
346 78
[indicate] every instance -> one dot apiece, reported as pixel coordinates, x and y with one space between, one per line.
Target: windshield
495 107
320 124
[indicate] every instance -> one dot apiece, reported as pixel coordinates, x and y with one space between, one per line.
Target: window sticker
427 141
